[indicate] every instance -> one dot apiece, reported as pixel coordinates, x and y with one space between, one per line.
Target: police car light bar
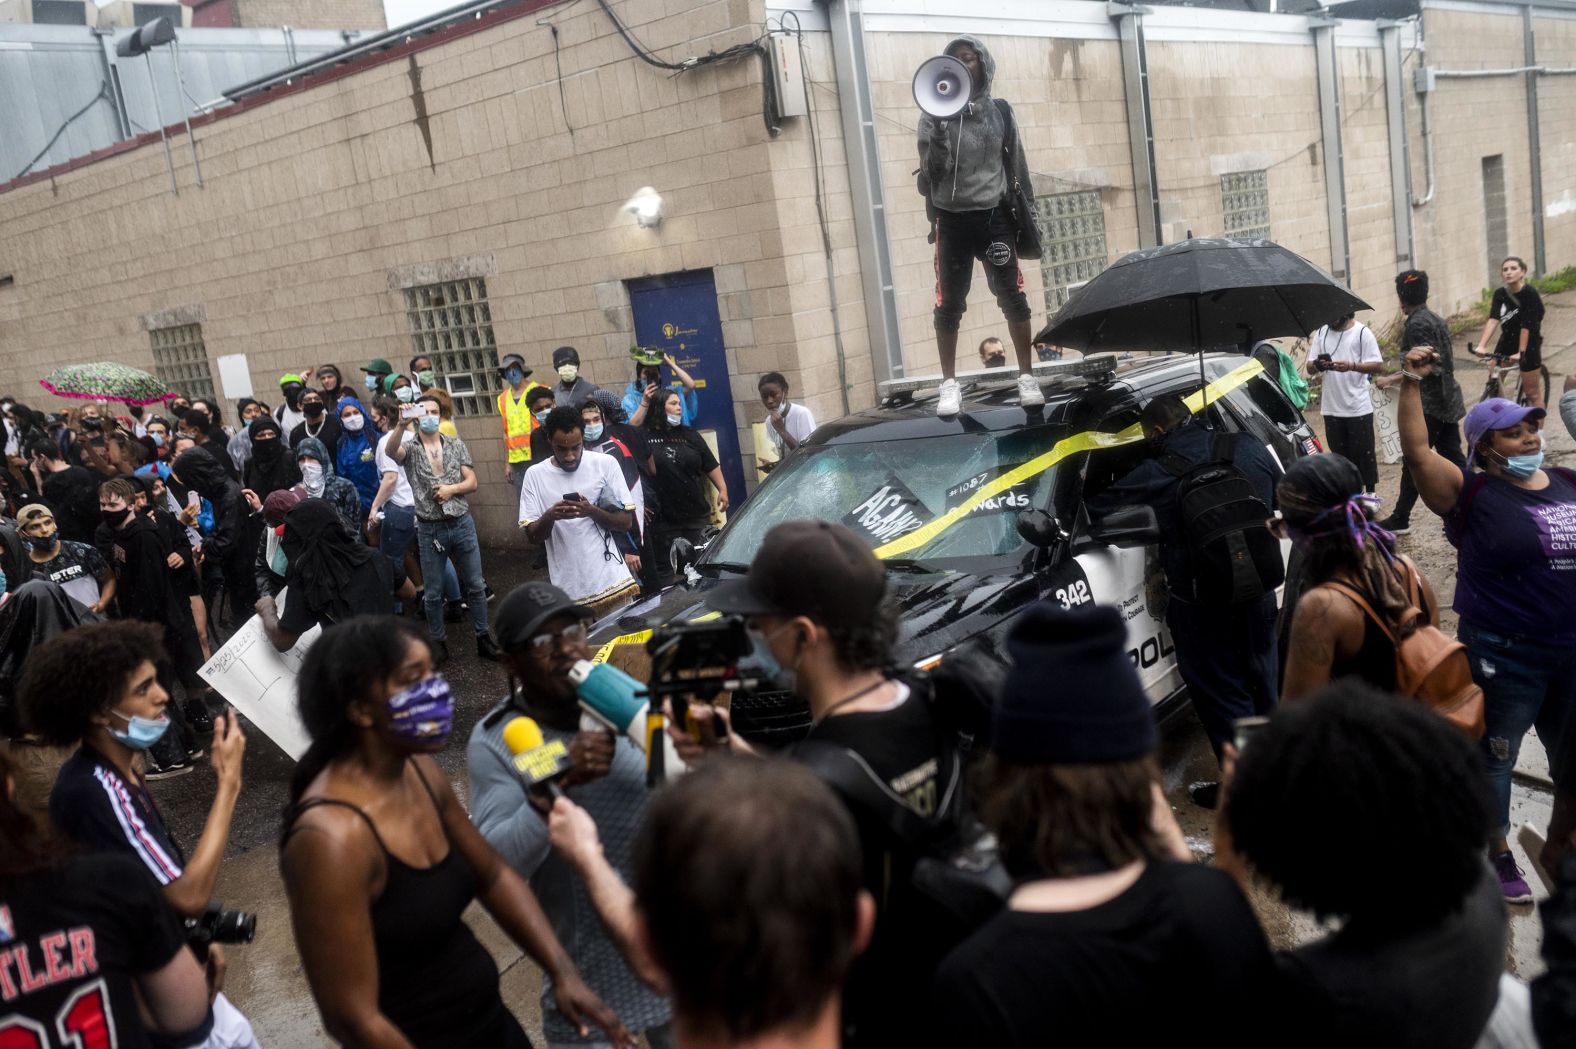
1098 365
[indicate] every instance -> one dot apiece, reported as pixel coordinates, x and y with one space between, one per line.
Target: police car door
1129 579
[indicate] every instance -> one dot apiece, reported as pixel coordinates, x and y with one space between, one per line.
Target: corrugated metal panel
47 73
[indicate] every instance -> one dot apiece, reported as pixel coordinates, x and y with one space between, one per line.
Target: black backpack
1233 558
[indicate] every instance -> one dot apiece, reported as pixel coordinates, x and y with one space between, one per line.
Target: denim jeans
396 533
452 539
1525 683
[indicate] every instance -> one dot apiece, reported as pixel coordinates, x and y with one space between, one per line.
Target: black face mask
116 518
293 395
313 410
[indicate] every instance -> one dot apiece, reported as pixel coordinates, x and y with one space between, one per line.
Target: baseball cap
527 607
565 355
516 359
1496 413
808 568
378 366
291 377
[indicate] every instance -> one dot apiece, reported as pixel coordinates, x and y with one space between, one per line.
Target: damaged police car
980 515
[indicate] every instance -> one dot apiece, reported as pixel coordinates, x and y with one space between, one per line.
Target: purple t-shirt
1516 557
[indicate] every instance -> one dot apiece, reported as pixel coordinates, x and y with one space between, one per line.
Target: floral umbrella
105 381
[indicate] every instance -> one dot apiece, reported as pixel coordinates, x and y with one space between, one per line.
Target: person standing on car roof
1226 653
964 177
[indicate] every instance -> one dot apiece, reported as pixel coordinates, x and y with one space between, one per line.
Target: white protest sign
1387 423
235 376
260 681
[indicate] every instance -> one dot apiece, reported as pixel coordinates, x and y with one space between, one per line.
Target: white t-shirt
402 495
801 424
582 559
1346 394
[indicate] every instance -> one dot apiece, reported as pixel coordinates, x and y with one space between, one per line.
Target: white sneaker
1029 393
950 399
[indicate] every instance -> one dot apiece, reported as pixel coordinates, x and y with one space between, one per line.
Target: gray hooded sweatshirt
960 159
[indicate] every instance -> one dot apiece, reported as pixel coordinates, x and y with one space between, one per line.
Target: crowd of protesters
958 857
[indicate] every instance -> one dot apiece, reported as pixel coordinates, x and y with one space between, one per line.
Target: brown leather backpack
1430 667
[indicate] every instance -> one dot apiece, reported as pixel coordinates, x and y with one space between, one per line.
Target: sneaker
453 611
1511 881
440 653
166 758
1029 393
486 648
1395 526
1204 795
198 717
950 398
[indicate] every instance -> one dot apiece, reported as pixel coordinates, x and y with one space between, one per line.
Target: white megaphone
942 86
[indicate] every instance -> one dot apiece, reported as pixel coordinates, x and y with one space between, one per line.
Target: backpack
1430 666
1232 556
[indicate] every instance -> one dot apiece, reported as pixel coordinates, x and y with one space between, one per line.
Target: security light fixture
646 206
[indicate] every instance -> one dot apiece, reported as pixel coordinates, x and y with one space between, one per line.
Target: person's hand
251 499
779 423
632 562
668 357
189 514
722 501
1384 382
572 831
590 756
650 394
566 509
227 748
97 608
217 967
766 466
264 607
577 1003
508 473
443 493
1420 361
175 560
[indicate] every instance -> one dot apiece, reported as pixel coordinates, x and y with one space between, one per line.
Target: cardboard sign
260 681
888 512
1012 500
1387 424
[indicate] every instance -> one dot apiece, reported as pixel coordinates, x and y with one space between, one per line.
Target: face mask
429 423
423 713
405 394
115 518
371 381
42 542
514 376
567 372
312 477
1523 466
426 378
278 562
293 395
674 420
594 431
763 666
541 416
313 410
158 439
353 423
141 733
2 584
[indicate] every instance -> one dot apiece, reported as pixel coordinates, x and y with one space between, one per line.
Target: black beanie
1072 696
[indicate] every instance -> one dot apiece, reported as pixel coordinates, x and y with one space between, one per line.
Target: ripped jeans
1525 683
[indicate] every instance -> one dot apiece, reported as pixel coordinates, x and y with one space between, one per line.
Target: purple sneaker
1511 881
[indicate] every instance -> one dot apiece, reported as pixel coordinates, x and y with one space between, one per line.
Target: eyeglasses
542 644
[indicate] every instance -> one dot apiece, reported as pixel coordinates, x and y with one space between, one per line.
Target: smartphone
412 411
1244 729
574 497
193 499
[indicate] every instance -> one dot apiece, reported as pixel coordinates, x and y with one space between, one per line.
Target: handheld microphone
537 762
610 698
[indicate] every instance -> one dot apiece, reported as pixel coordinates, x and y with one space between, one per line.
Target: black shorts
962 237
1532 357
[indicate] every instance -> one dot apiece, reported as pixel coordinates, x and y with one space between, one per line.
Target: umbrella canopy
1200 294
105 381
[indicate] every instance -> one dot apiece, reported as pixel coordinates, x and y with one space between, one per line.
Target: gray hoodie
960 159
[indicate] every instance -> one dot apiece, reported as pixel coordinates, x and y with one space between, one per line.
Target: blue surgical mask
141 733
372 380
429 423
42 542
405 394
541 416
513 376
2 584
763 666
594 431
158 439
1523 466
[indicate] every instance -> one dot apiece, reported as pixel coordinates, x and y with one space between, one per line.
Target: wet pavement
265 977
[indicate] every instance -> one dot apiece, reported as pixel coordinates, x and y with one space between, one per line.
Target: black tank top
436 983
1374 662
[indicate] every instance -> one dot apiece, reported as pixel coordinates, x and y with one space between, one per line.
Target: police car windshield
886 490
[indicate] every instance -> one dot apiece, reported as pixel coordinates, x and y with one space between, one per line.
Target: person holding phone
641 394
440 471
577 505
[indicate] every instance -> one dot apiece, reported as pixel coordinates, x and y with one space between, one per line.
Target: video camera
217 925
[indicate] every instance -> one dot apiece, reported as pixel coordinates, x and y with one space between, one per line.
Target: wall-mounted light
646 206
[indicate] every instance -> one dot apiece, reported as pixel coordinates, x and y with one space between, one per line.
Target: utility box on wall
789 76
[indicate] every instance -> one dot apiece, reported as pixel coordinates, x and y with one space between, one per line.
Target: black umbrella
1200 294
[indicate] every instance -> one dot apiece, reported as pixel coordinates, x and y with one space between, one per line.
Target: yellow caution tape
1087 441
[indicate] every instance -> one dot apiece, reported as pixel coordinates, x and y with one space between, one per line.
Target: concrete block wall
310 14
1365 142
1556 43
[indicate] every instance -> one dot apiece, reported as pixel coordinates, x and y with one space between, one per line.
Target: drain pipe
1425 88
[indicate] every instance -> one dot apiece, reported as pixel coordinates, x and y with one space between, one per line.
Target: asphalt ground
265 978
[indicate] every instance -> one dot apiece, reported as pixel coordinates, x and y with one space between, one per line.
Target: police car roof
993 406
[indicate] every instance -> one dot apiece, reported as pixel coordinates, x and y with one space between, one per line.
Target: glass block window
1072 230
1245 197
451 322
180 360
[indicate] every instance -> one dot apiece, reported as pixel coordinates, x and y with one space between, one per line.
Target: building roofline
367 53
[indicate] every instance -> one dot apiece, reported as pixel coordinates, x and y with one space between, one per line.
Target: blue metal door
678 312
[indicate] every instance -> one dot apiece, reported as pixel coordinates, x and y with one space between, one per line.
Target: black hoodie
143 583
200 472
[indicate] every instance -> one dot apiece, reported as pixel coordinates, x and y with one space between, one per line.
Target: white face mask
312 477
568 372
353 423
674 420
406 394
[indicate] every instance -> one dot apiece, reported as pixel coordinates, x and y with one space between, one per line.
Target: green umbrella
105 381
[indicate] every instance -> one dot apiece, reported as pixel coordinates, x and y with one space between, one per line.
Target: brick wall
310 14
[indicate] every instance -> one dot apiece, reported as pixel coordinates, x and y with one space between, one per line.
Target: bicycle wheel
1521 387
1490 388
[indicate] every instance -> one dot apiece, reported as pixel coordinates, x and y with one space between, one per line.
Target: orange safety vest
518 422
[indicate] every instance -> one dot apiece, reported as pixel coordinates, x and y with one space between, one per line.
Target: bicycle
1498 366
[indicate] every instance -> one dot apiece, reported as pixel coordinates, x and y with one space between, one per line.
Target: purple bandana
423 713
1354 518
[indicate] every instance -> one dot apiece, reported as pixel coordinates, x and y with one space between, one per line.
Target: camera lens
235 927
